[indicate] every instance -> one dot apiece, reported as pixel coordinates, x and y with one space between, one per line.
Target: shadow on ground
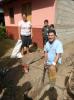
34 47
9 78
51 93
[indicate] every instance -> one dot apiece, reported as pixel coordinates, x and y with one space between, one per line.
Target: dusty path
16 78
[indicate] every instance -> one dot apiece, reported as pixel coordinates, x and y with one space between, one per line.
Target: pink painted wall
41 10
17 14
17 17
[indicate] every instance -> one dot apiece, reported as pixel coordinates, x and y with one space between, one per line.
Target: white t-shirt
25 27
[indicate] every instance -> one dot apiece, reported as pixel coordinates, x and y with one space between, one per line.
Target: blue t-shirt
53 49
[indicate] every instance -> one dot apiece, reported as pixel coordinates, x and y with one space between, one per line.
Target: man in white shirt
25 33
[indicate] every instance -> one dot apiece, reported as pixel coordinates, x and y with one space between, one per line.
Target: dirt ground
15 82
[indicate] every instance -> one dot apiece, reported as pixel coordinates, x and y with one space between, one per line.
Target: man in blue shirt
53 50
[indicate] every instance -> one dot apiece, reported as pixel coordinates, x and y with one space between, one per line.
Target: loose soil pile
13 82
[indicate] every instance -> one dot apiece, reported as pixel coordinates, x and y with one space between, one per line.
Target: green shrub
3 32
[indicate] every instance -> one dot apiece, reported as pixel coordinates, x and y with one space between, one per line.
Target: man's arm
19 31
46 53
59 51
31 31
43 31
46 56
58 55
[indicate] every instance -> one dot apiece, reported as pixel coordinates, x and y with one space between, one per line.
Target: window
11 15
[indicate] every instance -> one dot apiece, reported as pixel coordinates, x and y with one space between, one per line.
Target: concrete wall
41 10
64 21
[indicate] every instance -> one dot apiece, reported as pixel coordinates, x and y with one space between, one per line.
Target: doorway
2 21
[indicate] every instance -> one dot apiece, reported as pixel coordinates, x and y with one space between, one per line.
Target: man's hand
45 65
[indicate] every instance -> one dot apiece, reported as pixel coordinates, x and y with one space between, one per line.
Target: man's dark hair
45 20
52 31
